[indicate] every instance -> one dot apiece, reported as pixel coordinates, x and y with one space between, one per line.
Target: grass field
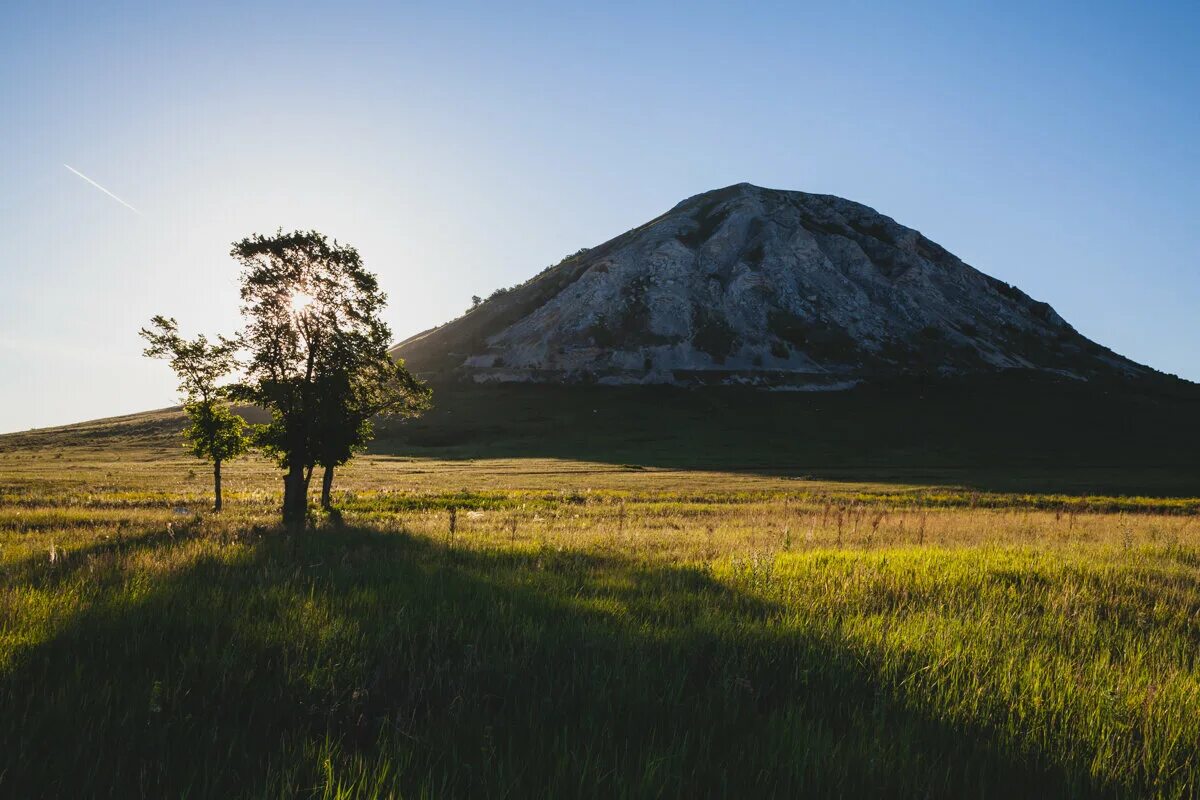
585 628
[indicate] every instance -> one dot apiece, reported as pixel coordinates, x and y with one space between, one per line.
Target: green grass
588 629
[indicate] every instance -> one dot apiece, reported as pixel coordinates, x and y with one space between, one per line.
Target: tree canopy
214 432
318 354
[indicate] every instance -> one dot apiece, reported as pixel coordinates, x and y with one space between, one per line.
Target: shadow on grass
291 663
1004 433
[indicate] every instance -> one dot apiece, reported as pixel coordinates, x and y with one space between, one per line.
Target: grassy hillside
1015 433
1011 433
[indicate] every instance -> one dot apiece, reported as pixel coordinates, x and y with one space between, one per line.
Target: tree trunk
295 495
327 489
217 485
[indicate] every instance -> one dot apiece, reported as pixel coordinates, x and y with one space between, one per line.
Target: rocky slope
753 285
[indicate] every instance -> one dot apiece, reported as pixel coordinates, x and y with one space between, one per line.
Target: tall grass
611 643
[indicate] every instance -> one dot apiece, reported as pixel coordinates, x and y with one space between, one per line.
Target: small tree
476 301
214 432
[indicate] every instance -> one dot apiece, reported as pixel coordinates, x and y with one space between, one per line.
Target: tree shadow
464 672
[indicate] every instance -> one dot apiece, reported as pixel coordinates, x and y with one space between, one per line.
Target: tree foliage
198 364
214 432
318 354
348 402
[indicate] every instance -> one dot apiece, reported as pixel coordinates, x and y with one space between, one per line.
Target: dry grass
587 629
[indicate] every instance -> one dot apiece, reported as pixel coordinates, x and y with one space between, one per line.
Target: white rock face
745 284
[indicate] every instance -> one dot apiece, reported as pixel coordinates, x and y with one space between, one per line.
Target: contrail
101 188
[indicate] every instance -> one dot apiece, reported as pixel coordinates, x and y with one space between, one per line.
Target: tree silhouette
348 401
214 432
318 354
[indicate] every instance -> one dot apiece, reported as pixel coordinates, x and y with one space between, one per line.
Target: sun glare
301 302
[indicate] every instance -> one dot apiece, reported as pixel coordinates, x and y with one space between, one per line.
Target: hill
947 375
753 285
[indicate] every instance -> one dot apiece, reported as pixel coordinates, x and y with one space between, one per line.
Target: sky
463 147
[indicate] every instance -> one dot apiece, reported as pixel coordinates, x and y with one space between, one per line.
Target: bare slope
746 284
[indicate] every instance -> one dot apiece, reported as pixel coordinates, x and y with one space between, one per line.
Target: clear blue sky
463 147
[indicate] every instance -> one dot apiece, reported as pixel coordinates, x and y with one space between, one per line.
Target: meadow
537 626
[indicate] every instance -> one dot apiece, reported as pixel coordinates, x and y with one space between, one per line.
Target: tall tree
315 336
214 432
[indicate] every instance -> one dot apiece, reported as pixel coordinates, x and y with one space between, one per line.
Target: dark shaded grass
291 664
1006 433
1013 432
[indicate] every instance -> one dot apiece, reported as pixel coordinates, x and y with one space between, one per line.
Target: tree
317 346
476 301
347 403
214 432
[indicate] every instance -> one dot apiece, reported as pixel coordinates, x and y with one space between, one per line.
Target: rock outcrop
761 286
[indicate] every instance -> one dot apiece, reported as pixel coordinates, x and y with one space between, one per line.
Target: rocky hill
760 286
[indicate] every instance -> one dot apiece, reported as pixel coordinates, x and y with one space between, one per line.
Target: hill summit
761 286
